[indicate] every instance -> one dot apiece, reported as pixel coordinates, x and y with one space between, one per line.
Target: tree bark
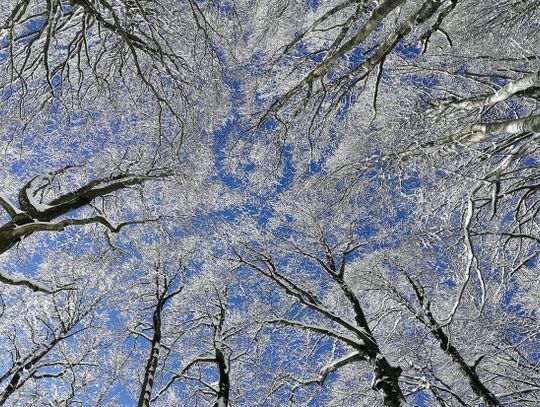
151 364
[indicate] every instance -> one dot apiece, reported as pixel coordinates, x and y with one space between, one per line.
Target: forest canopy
269 203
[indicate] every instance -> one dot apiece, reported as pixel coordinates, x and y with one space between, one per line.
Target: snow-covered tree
244 202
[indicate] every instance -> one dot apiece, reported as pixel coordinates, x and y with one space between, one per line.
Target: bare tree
331 261
37 210
165 289
52 343
62 46
338 202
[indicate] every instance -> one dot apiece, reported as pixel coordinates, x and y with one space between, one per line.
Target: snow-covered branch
478 132
512 88
356 343
26 282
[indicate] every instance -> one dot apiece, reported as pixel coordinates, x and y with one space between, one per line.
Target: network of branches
269 203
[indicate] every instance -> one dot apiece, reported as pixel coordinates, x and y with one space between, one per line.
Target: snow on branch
332 367
477 132
30 228
28 193
322 69
355 343
26 282
520 85
37 215
69 201
346 82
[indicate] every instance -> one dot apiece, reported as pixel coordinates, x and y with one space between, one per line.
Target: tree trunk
151 364
224 381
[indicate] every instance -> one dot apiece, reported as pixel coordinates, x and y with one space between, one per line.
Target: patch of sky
221 154
28 266
32 30
296 310
323 347
236 298
289 171
122 392
18 167
114 318
339 186
449 282
514 333
56 81
366 230
203 218
315 166
523 65
282 393
115 125
318 56
534 354
237 96
408 51
254 65
246 35
7 93
260 99
229 215
410 184
301 47
263 212
346 102
382 246
424 82
508 219
312 4
498 81
285 232
439 173
530 160
226 8
440 266
515 109
422 399
463 68
4 43
378 165
511 303
532 262
166 81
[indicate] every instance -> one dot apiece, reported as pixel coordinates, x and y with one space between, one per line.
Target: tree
454 133
218 355
306 262
38 209
164 292
73 46
204 362
55 346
